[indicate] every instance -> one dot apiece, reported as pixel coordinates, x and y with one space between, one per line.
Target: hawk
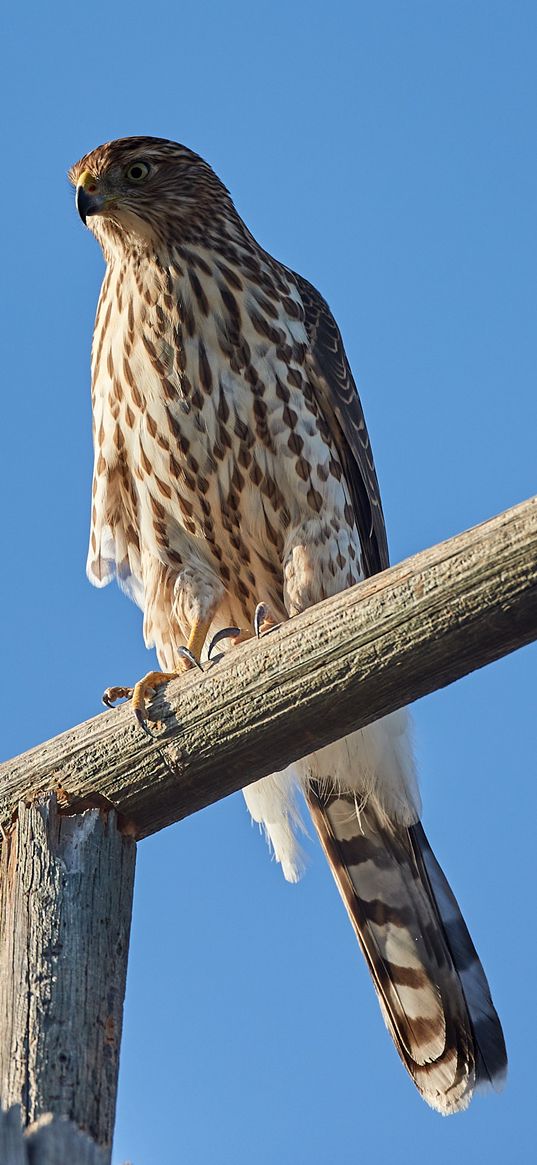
232 467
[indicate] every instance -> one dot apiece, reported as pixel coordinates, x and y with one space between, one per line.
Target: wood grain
338 666
52 1140
66 888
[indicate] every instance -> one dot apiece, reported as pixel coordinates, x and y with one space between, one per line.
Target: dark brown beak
86 204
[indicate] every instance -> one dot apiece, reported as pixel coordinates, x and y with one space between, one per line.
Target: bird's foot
233 633
150 682
111 695
264 620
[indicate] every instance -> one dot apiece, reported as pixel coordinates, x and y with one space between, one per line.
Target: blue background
385 150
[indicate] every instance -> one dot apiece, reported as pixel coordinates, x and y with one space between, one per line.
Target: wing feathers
333 383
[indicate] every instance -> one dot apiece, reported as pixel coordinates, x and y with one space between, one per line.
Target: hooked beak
87 199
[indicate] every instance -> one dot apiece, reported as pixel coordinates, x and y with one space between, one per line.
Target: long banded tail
431 986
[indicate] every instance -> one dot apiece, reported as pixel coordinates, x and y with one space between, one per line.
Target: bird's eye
137 171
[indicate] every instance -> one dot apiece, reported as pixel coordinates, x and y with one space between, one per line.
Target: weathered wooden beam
338 666
66 885
51 1140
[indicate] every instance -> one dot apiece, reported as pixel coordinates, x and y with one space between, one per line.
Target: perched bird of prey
232 468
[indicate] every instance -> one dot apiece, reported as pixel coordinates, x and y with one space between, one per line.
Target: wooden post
66 885
51 1140
67 870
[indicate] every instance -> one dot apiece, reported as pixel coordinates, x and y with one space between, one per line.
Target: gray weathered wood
66 886
51 1140
12 1147
338 666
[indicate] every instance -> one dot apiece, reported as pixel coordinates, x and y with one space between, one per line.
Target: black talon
120 693
187 654
143 723
225 633
260 615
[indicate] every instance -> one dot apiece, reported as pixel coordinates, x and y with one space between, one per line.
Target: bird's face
145 191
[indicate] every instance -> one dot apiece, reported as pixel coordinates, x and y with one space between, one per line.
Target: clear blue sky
387 151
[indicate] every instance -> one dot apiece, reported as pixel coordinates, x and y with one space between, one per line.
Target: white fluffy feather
272 802
376 762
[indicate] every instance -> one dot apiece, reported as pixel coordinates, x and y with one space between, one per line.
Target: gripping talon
154 679
225 633
264 620
260 615
138 712
186 653
111 695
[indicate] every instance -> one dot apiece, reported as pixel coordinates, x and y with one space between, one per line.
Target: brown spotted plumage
232 466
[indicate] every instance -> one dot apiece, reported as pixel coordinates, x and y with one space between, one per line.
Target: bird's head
146 192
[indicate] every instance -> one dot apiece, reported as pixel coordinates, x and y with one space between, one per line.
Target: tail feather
491 1056
430 984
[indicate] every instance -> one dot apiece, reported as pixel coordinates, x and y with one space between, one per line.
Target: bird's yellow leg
154 679
198 636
